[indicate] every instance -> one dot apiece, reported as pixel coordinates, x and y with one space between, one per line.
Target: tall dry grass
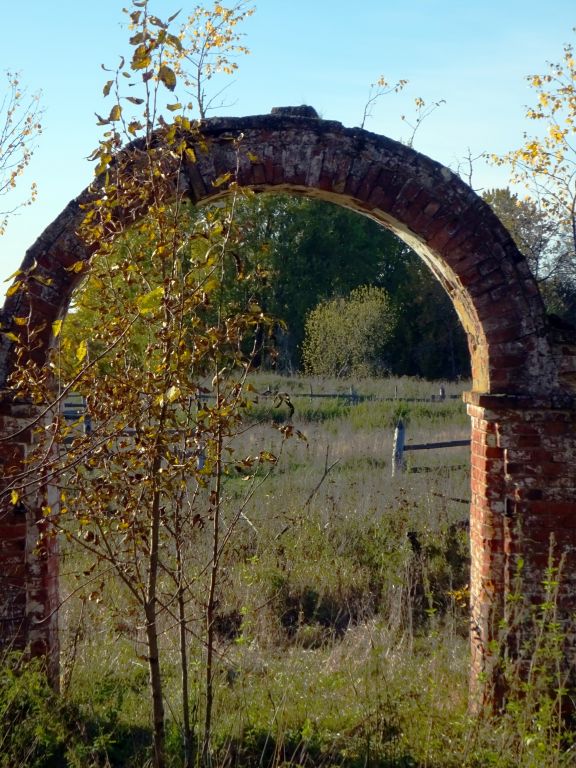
342 621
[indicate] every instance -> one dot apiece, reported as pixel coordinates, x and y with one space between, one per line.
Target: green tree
348 336
429 340
308 251
161 362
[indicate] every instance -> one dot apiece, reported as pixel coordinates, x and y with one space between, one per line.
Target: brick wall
523 522
28 564
524 370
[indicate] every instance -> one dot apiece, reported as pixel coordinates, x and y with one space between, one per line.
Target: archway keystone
522 404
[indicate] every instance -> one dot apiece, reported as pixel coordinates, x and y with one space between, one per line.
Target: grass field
342 615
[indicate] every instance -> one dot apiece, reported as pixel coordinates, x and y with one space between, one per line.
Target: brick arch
424 203
522 402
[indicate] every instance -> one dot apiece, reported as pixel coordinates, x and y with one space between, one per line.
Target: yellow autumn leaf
14 497
20 320
56 328
13 288
134 126
78 266
167 76
115 113
150 301
82 350
222 179
556 133
13 275
172 394
141 58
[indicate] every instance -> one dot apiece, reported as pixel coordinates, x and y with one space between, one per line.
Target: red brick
487 451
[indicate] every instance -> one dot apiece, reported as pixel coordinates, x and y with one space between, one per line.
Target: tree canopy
309 252
545 166
546 246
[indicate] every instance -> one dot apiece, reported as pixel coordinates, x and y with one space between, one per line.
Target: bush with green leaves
348 336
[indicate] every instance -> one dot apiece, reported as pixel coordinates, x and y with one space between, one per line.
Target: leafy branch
20 126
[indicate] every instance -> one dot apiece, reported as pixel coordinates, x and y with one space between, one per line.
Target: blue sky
320 52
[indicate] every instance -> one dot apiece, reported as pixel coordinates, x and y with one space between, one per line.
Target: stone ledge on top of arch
233 128
273 120
511 402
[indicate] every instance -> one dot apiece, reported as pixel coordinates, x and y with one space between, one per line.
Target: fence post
398 448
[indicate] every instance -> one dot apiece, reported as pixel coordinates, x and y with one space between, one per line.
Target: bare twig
327 469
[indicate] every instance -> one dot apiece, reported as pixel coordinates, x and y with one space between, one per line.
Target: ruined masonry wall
522 405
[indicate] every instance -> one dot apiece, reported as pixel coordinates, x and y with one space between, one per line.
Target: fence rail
445 444
74 407
355 397
399 447
75 412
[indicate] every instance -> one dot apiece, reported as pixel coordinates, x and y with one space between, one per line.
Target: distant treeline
311 251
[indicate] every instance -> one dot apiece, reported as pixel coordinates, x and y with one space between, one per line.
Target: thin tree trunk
187 730
211 605
155 684
151 613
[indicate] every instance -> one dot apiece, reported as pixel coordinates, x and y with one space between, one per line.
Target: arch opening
522 404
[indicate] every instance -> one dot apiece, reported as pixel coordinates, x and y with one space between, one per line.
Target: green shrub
41 729
33 728
348 336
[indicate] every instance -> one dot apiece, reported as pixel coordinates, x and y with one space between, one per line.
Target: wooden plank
446 444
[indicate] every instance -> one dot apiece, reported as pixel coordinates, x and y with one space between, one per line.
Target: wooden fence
74 406
399 447
354 397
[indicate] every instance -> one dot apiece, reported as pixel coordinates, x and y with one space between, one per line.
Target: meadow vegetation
341 627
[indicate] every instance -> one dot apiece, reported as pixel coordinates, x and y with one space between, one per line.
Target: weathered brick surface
522 406
523 519
28 572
